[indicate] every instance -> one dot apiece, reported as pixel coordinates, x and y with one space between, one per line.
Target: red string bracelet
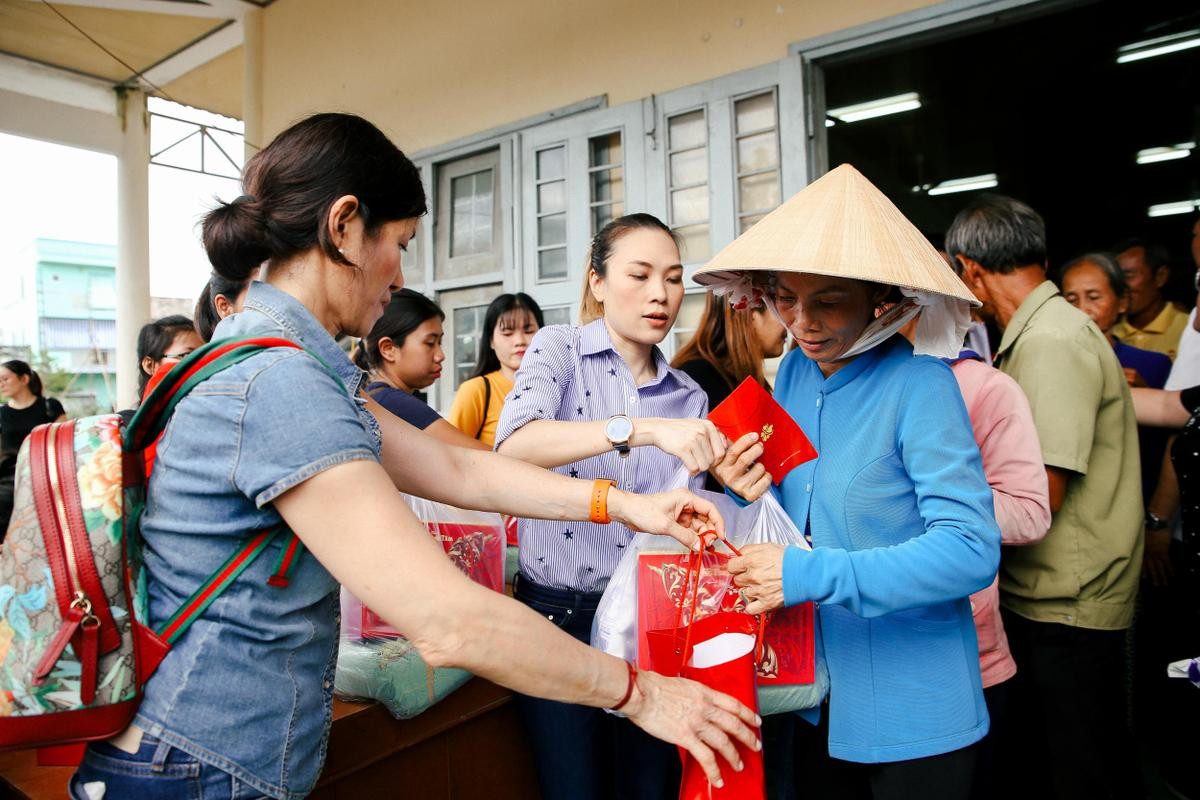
629 688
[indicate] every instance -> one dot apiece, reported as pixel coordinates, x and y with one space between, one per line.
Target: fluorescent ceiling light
882 107
1168 209
1152 154
829 123
987 181
1158 47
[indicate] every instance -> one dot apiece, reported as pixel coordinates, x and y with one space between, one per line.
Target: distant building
64 308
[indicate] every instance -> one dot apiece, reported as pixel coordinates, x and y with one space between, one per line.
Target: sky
58 192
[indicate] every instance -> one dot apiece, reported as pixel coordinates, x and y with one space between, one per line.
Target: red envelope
751 408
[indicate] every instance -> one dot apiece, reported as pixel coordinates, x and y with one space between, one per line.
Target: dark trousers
986 766
585 753
1168 629
946 776
1066 736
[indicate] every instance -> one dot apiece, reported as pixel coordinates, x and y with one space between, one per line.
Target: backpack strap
155 411
217 583
487 402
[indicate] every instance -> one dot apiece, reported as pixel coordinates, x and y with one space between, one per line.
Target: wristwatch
1155 522
618 429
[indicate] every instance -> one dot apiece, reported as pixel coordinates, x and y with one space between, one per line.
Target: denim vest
249 688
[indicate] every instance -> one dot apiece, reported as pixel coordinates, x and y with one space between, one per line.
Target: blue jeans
157 771
585 753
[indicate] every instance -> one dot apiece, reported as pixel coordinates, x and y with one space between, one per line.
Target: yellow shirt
1161 335
472 407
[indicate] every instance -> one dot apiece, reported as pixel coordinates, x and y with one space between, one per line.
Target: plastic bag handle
694 565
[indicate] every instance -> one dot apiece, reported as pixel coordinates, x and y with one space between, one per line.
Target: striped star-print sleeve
541 381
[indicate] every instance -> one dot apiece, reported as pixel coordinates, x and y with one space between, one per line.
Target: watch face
618 429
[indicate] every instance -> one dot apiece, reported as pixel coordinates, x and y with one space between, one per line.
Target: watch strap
598 509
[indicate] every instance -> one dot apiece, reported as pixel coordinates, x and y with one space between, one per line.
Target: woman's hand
758 572
695 442
678 514
695 717
740 472
1134 378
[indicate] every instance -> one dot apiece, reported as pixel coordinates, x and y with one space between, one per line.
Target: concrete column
133 240
252 76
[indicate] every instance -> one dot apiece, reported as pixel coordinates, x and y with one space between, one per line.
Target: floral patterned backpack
76 646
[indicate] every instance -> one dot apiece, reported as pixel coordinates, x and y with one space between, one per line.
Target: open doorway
1089 114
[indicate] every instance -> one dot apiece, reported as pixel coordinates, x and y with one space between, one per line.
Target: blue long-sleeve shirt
903 531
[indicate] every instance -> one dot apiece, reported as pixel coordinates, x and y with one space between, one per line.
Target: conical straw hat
839 225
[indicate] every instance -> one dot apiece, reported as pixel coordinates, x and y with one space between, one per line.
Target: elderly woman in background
1095 284
896 504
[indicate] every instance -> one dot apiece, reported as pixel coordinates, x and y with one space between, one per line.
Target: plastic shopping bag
647 582
374 660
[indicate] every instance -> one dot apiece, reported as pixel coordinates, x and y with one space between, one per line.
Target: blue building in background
63 307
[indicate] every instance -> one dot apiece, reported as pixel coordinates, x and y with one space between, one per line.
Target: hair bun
235 237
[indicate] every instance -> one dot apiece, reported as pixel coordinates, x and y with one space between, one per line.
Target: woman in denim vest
241 706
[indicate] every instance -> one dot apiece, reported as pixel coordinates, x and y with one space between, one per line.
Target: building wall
429 73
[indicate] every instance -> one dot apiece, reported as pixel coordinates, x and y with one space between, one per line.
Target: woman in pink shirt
1012 462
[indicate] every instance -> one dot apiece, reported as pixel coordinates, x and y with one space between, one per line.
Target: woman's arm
1159 407
1156 552
371 542
469 478
443 431
553 443
529 431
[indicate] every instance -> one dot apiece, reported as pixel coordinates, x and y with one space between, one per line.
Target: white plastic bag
375 661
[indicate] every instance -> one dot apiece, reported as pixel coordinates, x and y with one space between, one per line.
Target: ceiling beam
34 79
212 9
217 42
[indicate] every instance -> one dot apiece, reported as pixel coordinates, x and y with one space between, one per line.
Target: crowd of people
1006 539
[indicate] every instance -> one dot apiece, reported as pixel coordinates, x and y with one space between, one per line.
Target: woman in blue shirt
241 705
407 341
896 503
598 400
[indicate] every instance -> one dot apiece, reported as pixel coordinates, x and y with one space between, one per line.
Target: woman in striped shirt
598 400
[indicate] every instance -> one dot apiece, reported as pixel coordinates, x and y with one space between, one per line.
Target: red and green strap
286 563
217 583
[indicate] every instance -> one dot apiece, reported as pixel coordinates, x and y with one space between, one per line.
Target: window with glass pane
688 319
606 179
558 315
551 183
410 262
471 214
468 327
756 144
687 171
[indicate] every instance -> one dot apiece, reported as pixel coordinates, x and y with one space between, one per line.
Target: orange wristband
599 507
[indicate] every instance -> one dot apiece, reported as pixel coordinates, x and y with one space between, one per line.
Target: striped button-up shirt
573 374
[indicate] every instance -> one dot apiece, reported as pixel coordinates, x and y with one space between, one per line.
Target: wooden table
471 745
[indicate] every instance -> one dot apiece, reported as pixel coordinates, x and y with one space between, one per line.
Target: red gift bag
788 648
720 650
751 408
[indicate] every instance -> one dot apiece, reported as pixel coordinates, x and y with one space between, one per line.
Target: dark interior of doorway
1043 104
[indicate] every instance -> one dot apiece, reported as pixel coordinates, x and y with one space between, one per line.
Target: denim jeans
157 771
585 753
